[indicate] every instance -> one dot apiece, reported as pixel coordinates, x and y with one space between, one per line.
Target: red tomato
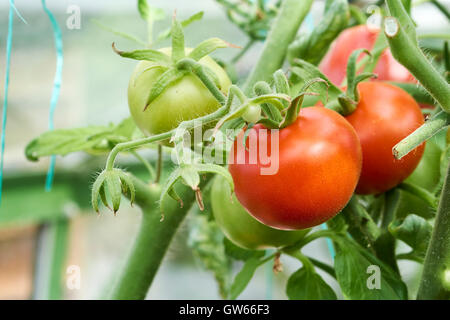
319 163
334 64
384 116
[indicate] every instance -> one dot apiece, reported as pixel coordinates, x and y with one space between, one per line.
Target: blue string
56 88
12 9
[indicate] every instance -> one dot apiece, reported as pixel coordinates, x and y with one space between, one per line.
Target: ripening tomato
427 173
184 100
240 227
334 64
384 116
309 175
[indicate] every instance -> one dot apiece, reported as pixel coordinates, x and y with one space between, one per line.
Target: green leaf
305 284
244 276
92 139
206 47
415 231
360 224
206 241
145 54
166 34
168 78
357 274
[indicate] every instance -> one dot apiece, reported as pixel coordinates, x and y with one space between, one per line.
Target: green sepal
295 105
184 23
352 77
168 78
206 47
145 54
281 84
96 187
114 188
304 70
273 114
127 185
178 48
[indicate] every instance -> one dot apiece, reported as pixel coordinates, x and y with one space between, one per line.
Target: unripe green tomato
184 100
240 227
427 173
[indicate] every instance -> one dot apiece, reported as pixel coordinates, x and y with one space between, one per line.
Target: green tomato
184 100
427 173
240 227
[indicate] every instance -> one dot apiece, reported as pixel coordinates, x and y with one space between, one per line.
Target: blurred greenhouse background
94 92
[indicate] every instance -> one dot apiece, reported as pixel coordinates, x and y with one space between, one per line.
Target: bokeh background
94 92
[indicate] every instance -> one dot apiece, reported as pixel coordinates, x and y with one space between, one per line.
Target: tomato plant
240 227
379 107
318 171
292 165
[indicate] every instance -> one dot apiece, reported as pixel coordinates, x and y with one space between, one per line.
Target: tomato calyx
178 62
113 182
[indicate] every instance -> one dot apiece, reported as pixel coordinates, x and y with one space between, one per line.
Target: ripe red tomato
384 116
334 64
319 163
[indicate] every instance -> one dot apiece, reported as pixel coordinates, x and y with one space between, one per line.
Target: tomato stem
421 134
435 283
404 46
152 241
285 27
159 164
195 67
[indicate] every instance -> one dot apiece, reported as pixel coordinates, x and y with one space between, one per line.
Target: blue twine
56 88
12 9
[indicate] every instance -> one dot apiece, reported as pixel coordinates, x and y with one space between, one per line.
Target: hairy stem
424 132
435 283
405 49
152 241
281 35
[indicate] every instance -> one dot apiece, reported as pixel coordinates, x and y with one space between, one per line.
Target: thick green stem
152 241
281 35
435 283
403 43
424 132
